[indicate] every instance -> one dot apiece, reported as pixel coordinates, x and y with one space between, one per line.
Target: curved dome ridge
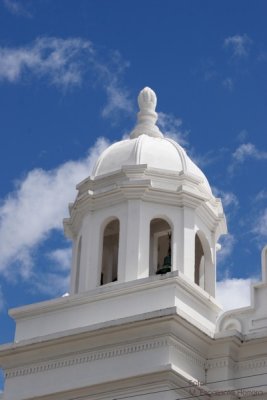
180 151
138 149
108 155
100 158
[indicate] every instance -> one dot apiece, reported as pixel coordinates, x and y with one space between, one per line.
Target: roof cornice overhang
119 289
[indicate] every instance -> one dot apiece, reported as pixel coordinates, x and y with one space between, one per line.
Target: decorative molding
237 366
83 358
188 354
252 364
259 323
149 184
121 350
224 362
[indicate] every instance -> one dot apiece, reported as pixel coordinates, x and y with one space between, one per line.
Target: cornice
86 357
223 362
109 352
237 366
176 191
256 363
116 290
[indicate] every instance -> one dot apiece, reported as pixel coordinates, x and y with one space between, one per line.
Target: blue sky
70 72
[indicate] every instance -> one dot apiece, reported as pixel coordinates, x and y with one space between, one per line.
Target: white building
141 321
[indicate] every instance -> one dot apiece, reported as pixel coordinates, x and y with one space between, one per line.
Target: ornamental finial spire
147 116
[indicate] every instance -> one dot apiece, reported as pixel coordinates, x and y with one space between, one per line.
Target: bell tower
146 210
140 318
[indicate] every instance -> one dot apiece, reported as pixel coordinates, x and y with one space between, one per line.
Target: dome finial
147 100
147 117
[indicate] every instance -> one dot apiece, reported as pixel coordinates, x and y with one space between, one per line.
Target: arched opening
160 259
78 265
110 252
199 263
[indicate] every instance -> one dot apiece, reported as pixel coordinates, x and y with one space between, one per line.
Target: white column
177 242
137 248
210 270
90 255
122 256
75 245
144 243
86 238
189 242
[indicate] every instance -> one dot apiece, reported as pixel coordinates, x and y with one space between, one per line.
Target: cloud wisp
260 226
248 150
36 208
51 283
227 246
61 257
68 63
17 8
239 45
244 152
171 128
229 199
262 195
228 84
56 59
108 74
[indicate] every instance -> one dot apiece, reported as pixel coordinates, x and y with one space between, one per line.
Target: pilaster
188 235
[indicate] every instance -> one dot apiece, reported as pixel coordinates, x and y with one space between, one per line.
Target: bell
166 267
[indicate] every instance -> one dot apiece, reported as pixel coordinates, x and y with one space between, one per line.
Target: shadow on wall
110 252
160 259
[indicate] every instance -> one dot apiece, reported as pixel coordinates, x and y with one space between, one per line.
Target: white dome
161 153
147 145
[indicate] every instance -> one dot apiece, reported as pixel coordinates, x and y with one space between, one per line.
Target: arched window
199 263
160 259
78 266
109 269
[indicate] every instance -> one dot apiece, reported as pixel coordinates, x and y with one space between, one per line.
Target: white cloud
234 293
57 59
64 64
36 208
109 74
54 279
171 128
203 160
228 84
229 199
260 225
246 151
227 245
242 136
62 257
262 195
117 99
16 7
238 44
51 283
